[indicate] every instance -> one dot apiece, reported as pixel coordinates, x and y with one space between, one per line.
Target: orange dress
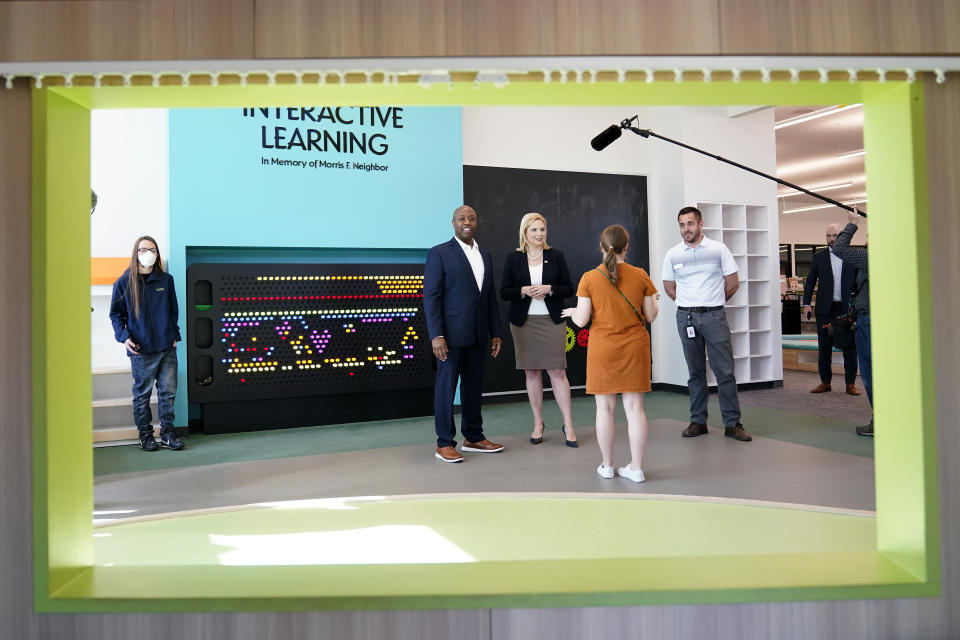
618 351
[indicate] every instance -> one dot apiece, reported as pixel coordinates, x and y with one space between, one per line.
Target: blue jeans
861 336
712 338
147 368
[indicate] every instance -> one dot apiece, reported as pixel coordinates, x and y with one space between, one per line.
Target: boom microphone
606 137
611 133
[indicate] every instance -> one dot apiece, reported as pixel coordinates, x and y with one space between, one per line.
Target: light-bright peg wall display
281 330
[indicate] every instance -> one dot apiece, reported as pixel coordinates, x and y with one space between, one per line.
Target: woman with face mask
144 314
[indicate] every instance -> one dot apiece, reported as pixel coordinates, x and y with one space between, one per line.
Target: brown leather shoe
821 388
852 390
448 454
484 446
737 432
694 429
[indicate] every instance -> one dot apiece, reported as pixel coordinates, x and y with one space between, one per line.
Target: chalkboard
577 207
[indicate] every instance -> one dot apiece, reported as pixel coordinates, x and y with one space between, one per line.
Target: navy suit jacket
455 309
516 275
821 271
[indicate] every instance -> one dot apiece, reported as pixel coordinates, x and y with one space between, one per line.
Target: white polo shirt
699 271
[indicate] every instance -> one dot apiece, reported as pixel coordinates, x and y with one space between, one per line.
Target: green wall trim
61 335
465 94
38 368
826 577
907 498
905 454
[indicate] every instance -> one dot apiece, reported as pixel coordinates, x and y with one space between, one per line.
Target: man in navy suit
462 319
836 279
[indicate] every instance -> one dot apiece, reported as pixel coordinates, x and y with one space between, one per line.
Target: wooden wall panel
359 625
212 29
839 27
943 168
16 532
199 29
342 28
652 27
126 30
579 27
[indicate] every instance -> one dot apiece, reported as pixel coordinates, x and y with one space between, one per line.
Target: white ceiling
807 156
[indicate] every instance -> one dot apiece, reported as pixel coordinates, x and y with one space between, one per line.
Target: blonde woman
535 282
144 313
620 298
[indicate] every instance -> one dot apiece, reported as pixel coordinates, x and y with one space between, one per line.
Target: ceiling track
499 71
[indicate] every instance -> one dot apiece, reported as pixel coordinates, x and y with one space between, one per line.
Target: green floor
467 552
324 531
499 419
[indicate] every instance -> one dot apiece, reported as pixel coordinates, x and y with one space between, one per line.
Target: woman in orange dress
621 299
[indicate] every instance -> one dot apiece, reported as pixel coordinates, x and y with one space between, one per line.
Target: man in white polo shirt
701 275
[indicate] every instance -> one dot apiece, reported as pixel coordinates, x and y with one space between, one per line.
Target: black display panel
273 331
577 207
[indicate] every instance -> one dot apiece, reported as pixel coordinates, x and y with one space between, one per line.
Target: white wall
557 138
129 170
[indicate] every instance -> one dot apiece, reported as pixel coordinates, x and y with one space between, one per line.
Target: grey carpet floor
795 396
790 414
766 469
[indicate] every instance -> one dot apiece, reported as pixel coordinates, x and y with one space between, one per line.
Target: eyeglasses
145 250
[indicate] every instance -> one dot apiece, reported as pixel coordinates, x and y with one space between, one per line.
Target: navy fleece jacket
156 329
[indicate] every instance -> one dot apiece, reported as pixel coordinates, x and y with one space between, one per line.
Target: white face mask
147 259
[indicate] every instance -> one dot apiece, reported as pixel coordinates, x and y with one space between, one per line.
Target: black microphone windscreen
605 137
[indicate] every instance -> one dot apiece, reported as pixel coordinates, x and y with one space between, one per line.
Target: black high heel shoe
540 439
570 443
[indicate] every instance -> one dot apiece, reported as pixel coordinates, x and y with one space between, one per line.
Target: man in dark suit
834 280
462 319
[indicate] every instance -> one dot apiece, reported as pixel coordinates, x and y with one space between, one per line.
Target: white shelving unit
745 229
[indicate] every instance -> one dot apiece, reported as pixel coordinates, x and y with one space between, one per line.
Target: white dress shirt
837 265
475 259
699 271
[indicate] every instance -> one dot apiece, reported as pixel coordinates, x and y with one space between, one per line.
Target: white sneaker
631 474
605 472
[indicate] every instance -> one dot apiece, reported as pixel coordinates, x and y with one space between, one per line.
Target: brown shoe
821 388
852 390
737 432
448 454
484 446
694 429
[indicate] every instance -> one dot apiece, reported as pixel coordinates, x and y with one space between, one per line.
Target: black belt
701 309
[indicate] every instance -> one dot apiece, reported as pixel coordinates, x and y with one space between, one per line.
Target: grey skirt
540 344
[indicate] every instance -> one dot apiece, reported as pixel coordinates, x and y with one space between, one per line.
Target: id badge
691 332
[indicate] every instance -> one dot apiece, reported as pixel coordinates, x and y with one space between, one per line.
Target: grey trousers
712 340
